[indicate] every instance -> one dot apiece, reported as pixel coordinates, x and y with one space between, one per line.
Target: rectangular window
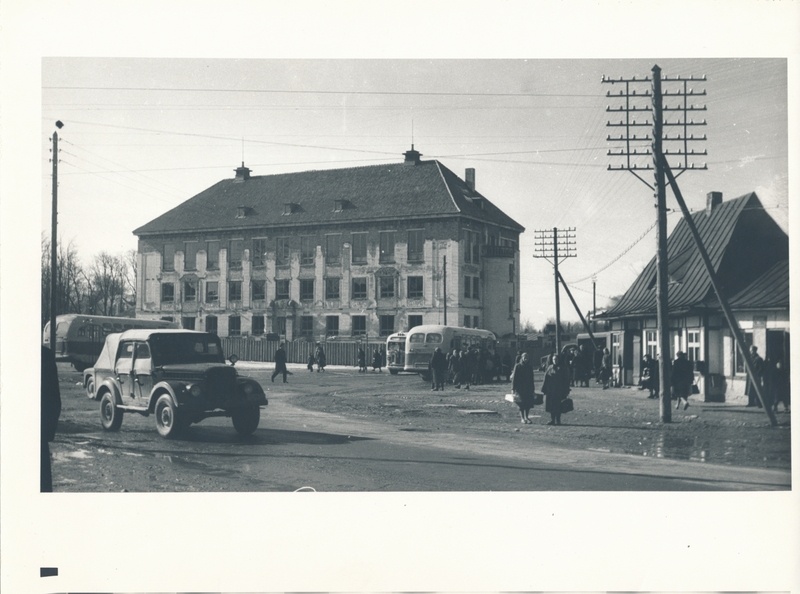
359 325
693 345
258 326
282 251
385 287
332 288
476 283
167 292
511 273
387 247
476 322
211 324
190 255
307 326
615 349
748 341
467 287
467 320
212 291
234 290
386 325
234 326
415 287
359 288
333 250
414 321
651 343
187 323
259 255
212 251
235 253
472 247
169 257
308 250
510 306
331 325
189 291
279 326
282 288
306 289
476 247
415 245
259 290
359 251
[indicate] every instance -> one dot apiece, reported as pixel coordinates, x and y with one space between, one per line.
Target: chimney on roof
469 177
412 157
713 199
242 173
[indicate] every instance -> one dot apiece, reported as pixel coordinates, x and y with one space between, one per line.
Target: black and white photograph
383 318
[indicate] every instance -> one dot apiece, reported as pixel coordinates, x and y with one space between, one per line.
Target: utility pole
631 154
54 241
546 245
444 281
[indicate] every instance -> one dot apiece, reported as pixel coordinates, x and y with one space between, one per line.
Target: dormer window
242 211
290 207
340 205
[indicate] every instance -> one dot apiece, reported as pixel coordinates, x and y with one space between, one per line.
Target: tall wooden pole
662 270
558 301
54 246
444 277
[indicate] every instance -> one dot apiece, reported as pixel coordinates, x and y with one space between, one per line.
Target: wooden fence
337 352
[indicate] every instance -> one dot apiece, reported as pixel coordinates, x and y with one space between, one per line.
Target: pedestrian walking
453 362
582 367
650 377
280 363
758 368
556 388
310 362
523 388
377 360
50 411
438 366
779 385
682 378
606 369
362 360
465 366
319 355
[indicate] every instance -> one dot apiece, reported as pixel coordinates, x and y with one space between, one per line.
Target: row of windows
358 325
307 247
386 288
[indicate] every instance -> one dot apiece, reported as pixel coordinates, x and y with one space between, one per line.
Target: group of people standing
772 377
378 359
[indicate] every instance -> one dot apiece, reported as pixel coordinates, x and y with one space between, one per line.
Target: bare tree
69 278
106 282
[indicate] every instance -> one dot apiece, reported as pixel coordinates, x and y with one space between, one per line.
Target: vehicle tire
90 388
393 371
425 375
245 419
110 415
168 418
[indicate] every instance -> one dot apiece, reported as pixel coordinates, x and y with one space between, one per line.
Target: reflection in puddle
77 455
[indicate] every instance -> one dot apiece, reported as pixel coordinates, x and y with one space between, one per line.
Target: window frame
332 282
359 295
189 292
356 239
207 291
414 237
415 292
386 241
281 294
305 295
171 286
258 283
383 290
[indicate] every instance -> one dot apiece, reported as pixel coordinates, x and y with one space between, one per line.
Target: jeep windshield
172 349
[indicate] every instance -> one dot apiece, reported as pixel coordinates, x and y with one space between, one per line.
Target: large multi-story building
344 252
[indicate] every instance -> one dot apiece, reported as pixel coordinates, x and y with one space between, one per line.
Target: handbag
567 405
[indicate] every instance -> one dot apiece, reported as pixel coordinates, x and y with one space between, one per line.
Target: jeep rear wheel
90 388
110 415
168 418
245 420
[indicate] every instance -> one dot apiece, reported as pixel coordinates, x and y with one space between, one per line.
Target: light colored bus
396 352
421 341
80 338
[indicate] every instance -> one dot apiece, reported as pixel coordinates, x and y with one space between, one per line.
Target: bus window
433 338
117 328
416 338
106 328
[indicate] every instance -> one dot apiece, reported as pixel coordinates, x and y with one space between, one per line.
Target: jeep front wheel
168 420
110 415
245 419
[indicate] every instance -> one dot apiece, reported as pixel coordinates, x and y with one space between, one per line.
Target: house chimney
469 177
242 173
713 199
412 156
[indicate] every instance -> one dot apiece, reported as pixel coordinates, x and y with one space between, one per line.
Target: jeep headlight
194 390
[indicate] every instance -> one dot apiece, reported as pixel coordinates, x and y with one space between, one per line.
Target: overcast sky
143 135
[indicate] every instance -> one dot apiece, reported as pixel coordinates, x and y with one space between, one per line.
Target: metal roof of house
768 291
742 241
402 191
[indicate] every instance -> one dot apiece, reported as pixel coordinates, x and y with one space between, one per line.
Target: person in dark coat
377 360
438 367
523 387
758 368
581 363
362 360
650 377
682 378
465 366
779 385
556 388
51 410
280 363
606 368
319 355
310 362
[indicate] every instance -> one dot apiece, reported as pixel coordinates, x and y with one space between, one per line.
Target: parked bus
396 352
80 338
421 341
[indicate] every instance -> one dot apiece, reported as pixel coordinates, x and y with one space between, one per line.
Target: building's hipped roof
769 291
741 241
399 191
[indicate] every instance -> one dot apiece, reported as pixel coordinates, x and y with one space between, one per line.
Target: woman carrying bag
556 389
522 387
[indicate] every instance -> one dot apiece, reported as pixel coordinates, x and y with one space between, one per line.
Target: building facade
356 252
750 255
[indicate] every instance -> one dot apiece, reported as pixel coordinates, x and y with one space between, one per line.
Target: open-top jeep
180 376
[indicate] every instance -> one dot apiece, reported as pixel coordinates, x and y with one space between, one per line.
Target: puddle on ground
76 455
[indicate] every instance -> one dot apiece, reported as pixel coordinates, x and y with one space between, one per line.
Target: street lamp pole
54 241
